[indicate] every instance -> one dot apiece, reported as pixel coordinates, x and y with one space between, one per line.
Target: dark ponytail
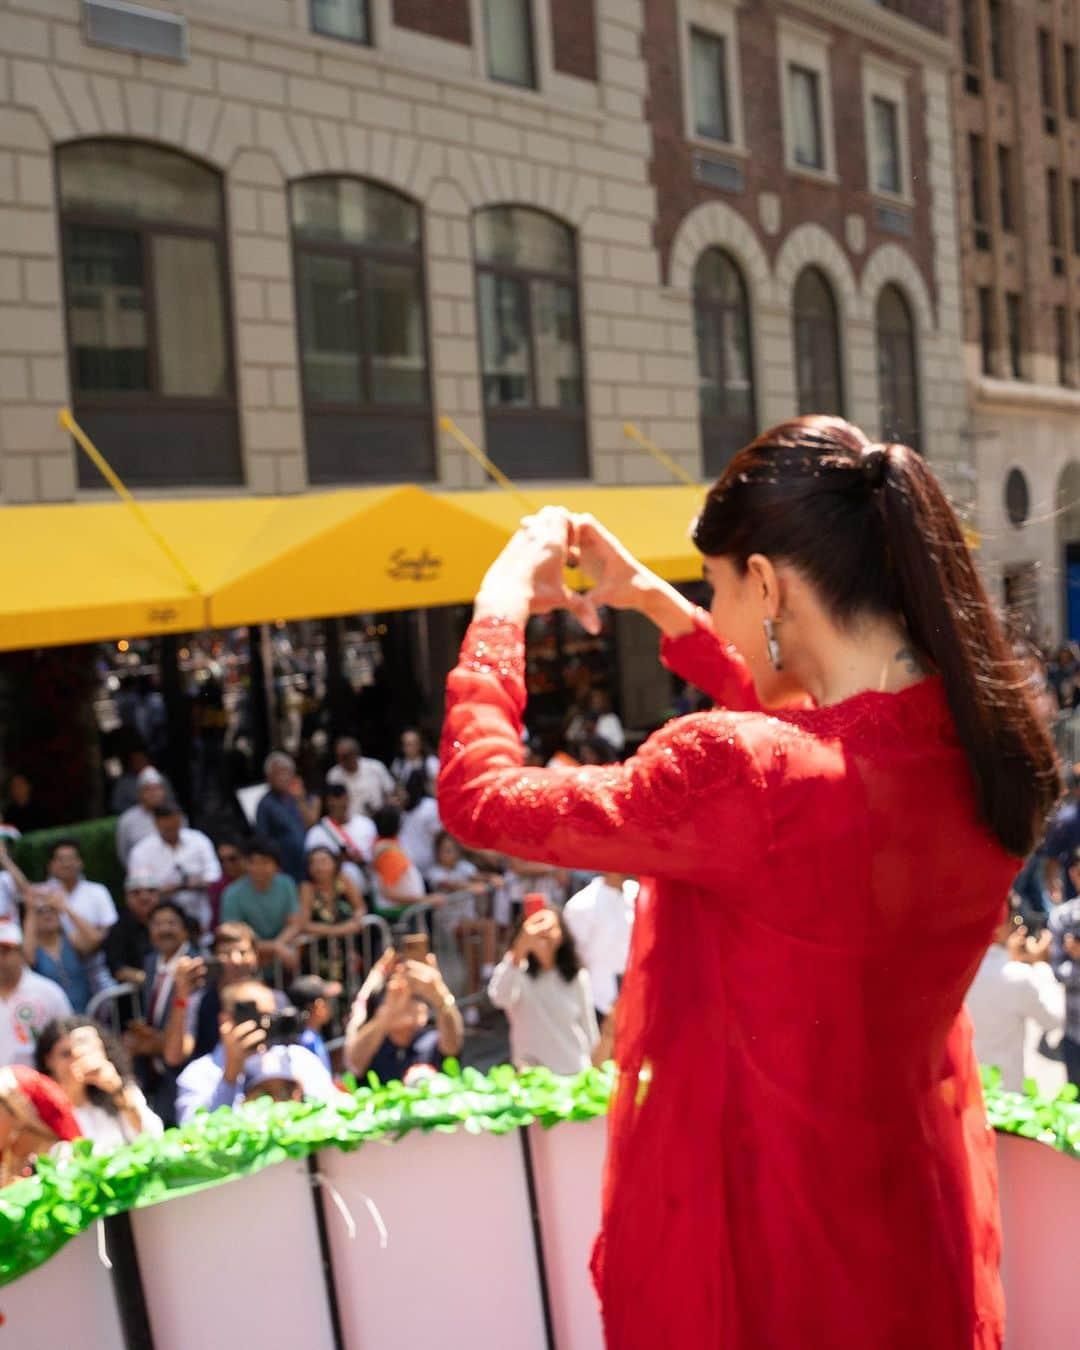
871 529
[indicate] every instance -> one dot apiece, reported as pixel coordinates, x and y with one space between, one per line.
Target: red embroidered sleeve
711 665
689 804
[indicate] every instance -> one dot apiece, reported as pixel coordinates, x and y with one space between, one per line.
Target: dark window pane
518 237
329 329
189 308
348 211
1053 207
978 190
1004 157
808 144
1072 80
1046 69
127 178
708 58
997 38
1014 324
508 32
1074 193
1061 342
555 341
341 19
986 329
393 299
886 131
725 387
817 345
504 341
897 376
967 33
106 310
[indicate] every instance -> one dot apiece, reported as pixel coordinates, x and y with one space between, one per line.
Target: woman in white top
94 1073
545 992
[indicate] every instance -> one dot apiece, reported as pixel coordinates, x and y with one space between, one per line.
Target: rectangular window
1053 209
1061 342
709 81
886 140
508 32
967 34
807 139
996 13
107 310
1015 323
347 19
1004 168
1046 70
978 179
1072 77
986 329
1074 193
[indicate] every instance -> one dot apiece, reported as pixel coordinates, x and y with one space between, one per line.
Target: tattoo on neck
907 658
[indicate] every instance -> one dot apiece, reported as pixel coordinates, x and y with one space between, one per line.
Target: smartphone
214 967
414 947
246 1010
534 903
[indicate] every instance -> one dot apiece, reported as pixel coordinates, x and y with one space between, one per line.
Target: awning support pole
470 447
67 421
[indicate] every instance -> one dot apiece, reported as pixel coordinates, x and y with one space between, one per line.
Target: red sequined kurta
798 1156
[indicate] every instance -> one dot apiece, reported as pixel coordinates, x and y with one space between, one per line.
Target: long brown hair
870 528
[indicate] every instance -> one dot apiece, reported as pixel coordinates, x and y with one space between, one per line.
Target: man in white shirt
1010 986
600 919
368 780
27 1000
90 900
137 822
348 837
183 861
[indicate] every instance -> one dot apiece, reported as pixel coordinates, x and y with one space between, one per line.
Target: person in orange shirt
398 882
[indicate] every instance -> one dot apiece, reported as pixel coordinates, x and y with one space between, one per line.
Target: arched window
725 368
530 343
898 381
817 345
363 333
144 273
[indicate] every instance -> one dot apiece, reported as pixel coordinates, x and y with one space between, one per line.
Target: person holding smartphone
389 1032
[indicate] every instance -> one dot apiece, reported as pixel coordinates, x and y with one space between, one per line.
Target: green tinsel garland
39 1214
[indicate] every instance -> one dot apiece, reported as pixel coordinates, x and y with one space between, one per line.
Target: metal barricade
115 1007
345 958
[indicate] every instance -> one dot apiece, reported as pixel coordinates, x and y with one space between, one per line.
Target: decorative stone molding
890 264
714 224
811 245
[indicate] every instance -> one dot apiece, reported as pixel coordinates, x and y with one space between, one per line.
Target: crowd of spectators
345 933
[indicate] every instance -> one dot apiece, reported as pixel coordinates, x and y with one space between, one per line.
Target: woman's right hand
618 578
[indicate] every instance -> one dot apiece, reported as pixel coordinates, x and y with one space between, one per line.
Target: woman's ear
762 578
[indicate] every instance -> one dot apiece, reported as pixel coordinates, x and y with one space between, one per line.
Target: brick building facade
1017 98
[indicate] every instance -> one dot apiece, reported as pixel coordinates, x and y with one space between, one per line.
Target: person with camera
1064 927
1009 989
249 1022
389 1032
95 1074
546 994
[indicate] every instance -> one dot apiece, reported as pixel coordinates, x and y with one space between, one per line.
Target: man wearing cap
348 837
277 1073
182 859
128 943
138 821
27 1000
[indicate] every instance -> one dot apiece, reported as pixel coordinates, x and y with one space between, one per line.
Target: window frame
535 83
358 255
808 48
526 275
149 400
719 313
369 23
914 437
888 82
716 19
837 344
1070 79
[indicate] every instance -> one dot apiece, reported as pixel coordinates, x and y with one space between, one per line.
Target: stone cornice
875 24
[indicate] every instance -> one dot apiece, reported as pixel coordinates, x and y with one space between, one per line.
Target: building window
996 14
725 364
1074 195
1072 80
145 278
1053 209
969 42
1014 322
363 341
1061 343
807 138
979 214
509 38
1004 167
347 19
885 117
898 387
817 345
1047 83
708 58
986 329
530 343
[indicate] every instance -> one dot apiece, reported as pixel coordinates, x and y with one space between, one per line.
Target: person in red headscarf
798 1152
35 1116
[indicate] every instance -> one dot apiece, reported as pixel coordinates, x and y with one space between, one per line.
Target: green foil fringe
40 1213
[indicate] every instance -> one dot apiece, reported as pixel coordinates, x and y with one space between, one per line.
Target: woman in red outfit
798 1155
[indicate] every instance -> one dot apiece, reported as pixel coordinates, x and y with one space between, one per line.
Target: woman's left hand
527 576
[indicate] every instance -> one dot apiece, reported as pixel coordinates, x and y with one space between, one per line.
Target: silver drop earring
772 644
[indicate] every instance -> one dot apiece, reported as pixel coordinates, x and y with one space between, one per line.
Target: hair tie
875 466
